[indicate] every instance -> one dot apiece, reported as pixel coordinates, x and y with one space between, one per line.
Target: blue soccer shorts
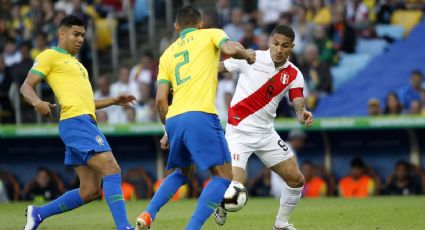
82 139
196 137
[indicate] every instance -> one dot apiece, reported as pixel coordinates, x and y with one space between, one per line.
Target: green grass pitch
383 213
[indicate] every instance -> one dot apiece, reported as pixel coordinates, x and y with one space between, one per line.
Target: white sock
288 201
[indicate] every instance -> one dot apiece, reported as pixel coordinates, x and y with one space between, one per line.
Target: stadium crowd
325 31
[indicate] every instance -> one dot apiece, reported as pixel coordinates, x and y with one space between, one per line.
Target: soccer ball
235 197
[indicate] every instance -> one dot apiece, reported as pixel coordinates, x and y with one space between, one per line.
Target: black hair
399 106
284 30
71 20
403 163
357 163
307 162
417 72
188 16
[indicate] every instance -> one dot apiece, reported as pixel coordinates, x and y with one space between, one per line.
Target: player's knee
111 169
89 194
297 181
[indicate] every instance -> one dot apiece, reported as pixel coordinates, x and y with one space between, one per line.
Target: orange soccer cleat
144 221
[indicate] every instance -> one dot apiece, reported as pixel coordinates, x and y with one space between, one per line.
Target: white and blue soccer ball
235 197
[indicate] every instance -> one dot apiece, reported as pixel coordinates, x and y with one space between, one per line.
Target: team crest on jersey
99 140
284 78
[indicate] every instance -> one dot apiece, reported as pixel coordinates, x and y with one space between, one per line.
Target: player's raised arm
237 51
28 92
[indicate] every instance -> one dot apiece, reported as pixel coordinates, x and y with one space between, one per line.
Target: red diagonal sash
260 98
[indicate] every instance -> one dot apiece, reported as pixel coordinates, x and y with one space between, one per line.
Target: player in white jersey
250 129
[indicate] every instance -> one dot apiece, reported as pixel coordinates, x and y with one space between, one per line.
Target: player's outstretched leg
68 201
220 214
211 196
106 164
291 194
168 188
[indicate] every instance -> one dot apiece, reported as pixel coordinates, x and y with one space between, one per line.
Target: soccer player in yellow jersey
190 67
86 147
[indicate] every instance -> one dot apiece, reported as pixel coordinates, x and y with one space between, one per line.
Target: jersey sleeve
234 65
298 82
163 75
218 37
42 65
297 87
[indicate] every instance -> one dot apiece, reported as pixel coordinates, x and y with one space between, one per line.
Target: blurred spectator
10 186
314 186
103 88
19 26
65 5
145 107
40 45
415 108
260 186
120 87
103 91
357 183
78 9
357 13
225 90
324 45
42 188
130 114
141 10
249 40
402 181
385 9
51 28
222 13
319 13
20 70
263 41
11 55
101 116
411 92
142 72
235 29
373 107
392 104
317 75
303 29
270 11
342 33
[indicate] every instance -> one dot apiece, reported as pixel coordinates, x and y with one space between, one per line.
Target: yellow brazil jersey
69 80
190 66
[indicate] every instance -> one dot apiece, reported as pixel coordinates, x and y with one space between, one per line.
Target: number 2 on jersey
185 55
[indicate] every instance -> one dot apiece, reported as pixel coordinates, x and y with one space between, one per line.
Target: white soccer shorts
269 147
